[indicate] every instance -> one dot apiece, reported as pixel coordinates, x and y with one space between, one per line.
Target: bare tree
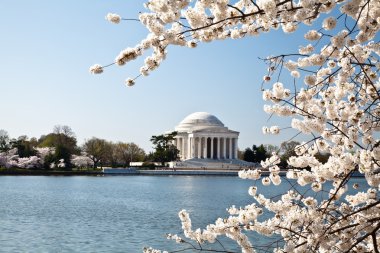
4 140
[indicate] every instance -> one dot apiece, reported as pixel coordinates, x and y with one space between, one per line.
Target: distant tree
96 149
256 154
33 141
165 150
260 154
64 142
137 153
128 152
24 147
4 140
81 161
122 154
63 130
63 153
240 154
149 157
322 157
110 156
248 155
271 148
287 150
61 136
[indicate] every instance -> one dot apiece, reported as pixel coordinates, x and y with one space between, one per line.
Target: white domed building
203 136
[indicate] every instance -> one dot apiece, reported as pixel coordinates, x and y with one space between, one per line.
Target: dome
198 121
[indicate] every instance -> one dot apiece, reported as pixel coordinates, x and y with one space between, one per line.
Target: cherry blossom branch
364 237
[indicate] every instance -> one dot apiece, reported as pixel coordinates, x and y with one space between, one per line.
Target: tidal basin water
112 214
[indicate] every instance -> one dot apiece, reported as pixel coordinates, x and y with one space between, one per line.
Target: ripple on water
110 214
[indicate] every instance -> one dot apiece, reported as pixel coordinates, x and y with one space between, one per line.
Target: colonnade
207 147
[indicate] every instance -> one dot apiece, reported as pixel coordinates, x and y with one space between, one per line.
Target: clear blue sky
47 47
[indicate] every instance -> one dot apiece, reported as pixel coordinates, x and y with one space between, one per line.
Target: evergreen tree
165 150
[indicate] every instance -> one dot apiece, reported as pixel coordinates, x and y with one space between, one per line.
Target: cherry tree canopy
334 98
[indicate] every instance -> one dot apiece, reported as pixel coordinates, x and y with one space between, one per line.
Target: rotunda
202 135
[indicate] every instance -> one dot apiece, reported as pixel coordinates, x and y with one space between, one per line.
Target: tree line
60 149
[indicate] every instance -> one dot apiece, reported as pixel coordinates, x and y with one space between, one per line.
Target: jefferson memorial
203 136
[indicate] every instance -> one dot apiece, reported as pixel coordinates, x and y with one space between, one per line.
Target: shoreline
48 173
131 173
115 172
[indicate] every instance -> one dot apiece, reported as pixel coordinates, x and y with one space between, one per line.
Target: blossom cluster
151 250
186 24
82 161
337 103
230 227
11 159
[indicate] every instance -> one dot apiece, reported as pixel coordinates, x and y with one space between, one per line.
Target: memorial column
189 147
230 149
212 148
205 148
235 148
199 148
224 147
218 147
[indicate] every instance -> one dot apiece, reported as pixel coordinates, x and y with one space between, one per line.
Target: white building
203 136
